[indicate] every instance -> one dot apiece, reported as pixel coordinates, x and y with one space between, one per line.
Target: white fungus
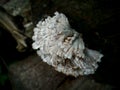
62 47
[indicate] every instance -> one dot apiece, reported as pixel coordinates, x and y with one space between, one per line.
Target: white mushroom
62 47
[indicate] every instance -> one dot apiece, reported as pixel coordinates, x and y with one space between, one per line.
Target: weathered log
33 74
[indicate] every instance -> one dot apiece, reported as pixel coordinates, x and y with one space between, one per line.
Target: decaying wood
33 74
7 22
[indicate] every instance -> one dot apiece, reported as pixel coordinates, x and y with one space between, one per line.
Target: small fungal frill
62 47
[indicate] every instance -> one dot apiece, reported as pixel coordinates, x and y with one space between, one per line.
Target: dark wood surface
33 74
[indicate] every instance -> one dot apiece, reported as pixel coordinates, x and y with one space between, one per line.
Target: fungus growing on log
62 47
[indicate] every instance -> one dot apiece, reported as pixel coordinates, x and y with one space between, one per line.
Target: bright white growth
63 48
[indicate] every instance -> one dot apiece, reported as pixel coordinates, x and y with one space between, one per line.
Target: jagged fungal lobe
62 47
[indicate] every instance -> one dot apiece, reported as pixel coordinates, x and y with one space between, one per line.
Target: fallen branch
7 21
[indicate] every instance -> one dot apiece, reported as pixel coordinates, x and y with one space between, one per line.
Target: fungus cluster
62 47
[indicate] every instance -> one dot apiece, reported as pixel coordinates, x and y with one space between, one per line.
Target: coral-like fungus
62 47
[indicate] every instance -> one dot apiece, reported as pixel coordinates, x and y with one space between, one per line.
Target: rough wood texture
33 74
